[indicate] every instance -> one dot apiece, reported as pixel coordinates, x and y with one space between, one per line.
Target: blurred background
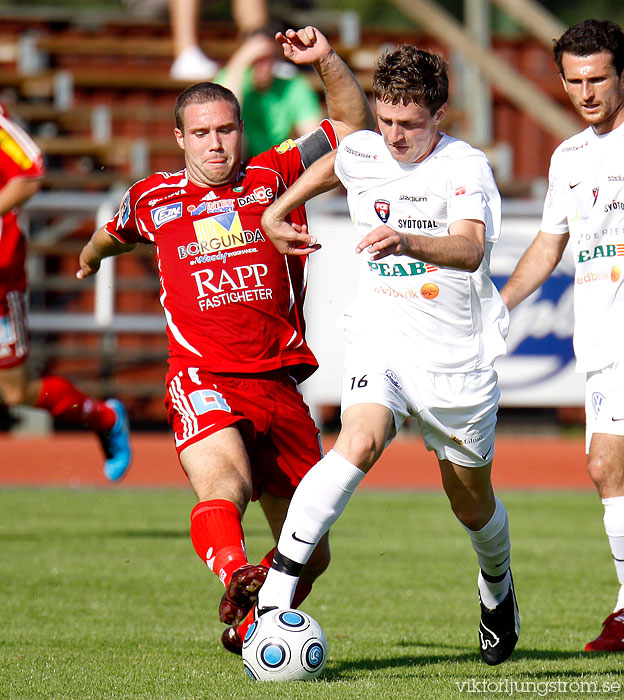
94 84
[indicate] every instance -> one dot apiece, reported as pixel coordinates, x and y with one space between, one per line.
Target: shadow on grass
147 534
94 534
520 653
338 671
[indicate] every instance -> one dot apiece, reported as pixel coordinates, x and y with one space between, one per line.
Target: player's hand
381 242
88 262
305 46
289 239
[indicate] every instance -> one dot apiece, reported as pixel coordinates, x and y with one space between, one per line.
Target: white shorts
456 412
604 402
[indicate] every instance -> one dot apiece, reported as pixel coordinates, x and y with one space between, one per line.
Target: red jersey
233 304
19 158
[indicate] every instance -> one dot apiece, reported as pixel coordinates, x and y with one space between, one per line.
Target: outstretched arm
534 267
101 245
292 239
347 104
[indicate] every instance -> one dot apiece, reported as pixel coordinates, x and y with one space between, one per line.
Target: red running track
74 459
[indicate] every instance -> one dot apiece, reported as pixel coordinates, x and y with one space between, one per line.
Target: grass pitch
102 596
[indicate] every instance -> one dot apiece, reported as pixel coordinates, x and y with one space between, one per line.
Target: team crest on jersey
285 146
382 209
163 215
595 193
597 400
124 211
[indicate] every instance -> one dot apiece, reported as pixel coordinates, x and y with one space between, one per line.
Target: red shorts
280 436
14 338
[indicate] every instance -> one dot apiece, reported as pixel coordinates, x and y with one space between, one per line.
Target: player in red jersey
234 310
21 170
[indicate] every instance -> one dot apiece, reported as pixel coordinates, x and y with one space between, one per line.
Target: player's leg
15 387
207 418
275 509
457 416
218 470
604 409
322 496
63 400
606 468
484 518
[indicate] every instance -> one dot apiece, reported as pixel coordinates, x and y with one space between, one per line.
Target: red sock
61 398
217 535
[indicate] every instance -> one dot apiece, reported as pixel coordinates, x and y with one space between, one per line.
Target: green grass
102 596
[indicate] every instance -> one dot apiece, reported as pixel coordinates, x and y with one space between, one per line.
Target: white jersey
586 198
442 319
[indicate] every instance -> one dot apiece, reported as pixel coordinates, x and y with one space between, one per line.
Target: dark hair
201 93
408 74
589 37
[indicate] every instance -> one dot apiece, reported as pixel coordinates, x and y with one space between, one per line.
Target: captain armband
313 146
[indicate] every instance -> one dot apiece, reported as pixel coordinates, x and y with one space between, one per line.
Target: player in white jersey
423 332
585 205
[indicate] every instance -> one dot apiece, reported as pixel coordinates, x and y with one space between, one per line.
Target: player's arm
292 239
16 192
254 48
463 248
347 104
534 267
101 245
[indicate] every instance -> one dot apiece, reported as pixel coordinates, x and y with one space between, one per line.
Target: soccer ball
284 645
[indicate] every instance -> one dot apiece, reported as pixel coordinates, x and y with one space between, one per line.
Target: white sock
317 503
277 590
493 548
614 527
493 593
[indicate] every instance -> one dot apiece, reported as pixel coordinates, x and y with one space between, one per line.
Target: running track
74 460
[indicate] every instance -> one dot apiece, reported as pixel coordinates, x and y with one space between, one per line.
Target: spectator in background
277 102
21 170
190 62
